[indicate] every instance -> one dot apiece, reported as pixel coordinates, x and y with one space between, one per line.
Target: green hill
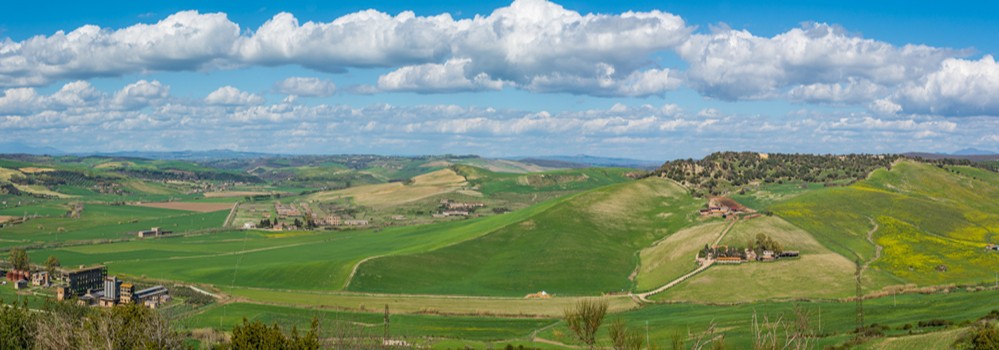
933 221
584 245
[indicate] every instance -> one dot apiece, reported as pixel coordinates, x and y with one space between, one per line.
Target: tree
984 336
584 319
19 259
623 338
51 264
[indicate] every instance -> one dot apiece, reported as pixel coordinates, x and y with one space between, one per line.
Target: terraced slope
933 222
584 245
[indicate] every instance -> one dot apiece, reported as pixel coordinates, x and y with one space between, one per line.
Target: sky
651 80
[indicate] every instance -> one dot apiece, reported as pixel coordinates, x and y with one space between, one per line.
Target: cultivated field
382 196
188 206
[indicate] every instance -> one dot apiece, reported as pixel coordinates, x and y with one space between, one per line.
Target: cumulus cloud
305 87
428 78
959 88
530 43
140 94
183 41
231 96
735 64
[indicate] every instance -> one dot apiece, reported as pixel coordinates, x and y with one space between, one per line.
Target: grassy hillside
584 245
933 222
673 256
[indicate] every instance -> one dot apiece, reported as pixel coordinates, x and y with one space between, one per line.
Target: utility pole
648 344
386 338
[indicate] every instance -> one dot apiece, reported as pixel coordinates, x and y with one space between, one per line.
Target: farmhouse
153 232
329 220
991 246
729 260
355 222
286 210
40 279
249 225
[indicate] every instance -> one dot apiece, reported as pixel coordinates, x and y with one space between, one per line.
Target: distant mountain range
973 152
20 148
585 161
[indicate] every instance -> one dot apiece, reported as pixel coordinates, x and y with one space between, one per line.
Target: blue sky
640 79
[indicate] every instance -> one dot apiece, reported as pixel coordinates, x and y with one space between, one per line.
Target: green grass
836 319
585 245
928 217
107 222
673 257
402 326
489 182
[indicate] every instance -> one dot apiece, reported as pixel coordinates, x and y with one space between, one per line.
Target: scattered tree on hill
18 259
584 319
51 264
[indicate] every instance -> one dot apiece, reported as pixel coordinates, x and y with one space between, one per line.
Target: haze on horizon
638 80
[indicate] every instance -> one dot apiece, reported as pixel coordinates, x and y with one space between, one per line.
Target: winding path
877 248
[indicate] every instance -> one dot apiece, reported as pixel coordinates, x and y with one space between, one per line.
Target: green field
100 221
584 245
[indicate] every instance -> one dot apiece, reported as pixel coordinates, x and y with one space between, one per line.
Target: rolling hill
584 245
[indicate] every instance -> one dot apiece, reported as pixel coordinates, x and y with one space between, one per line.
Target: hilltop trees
723 171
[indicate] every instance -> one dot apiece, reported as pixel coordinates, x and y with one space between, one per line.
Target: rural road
643 297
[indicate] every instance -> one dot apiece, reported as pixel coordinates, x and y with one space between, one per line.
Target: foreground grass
454 305
834 320
401 325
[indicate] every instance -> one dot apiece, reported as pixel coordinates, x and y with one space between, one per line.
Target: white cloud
305 87
959 88
852 91
884 107
735 64
642 131
534 44
183 41
230 96
140 94
19 101
426 78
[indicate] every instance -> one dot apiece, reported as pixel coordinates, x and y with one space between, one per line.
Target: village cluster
762 249
302 215
90 286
